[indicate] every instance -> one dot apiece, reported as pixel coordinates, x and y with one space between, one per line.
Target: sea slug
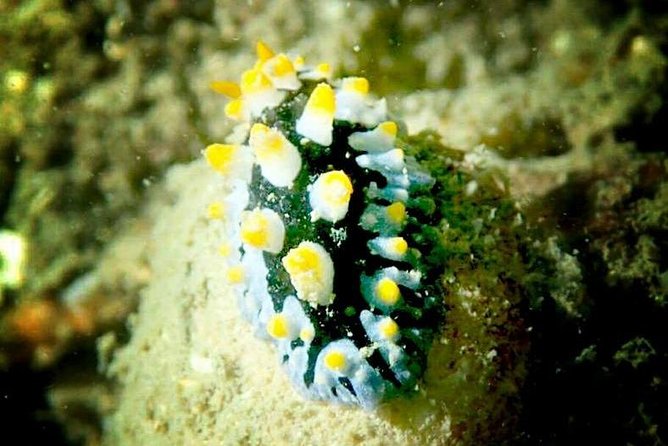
332 254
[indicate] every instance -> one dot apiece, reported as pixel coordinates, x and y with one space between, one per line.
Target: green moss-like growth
482 364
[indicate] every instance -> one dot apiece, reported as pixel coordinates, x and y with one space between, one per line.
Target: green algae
482 365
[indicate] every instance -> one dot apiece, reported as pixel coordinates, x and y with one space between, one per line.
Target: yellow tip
399 245
388 328
253 81
306 334
235 274
356 84
215 210
338 187
225 250
263 51
322 99
335 360
229 89
277 326
301 259
388 291
254 227
220 156
234 109
298 62
283 66
396 212
324 69
388 127
271 143
258 129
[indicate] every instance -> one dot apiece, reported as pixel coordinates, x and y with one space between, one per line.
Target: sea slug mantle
333 256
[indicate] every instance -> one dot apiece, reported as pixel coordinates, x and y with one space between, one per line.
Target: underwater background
543 124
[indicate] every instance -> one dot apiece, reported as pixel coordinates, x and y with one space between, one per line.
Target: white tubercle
351 98
322 71
329 196
262 229
317 120
374 113
380 139
390 193
278 158
354 104
342 358
311 273
259 92
281 71
231 160
393 248
391 161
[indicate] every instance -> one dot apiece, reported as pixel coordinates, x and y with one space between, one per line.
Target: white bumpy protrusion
256 303
392 248
390 162
311 273
354 104
329 196
382 289
281 71
317 120
263 229
384 333
278 158
388 193
384 220
380 139
342 359
259 92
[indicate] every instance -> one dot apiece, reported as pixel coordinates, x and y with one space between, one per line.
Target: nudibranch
330 254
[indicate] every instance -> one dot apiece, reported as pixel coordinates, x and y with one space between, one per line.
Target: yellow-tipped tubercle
263 51
322 99
388 127
254 229
236 274
220 156
358 85
302 259
388 291
229 89
335 360
388 328
338 187
278 326
396 212
215 210
398 245
234 109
